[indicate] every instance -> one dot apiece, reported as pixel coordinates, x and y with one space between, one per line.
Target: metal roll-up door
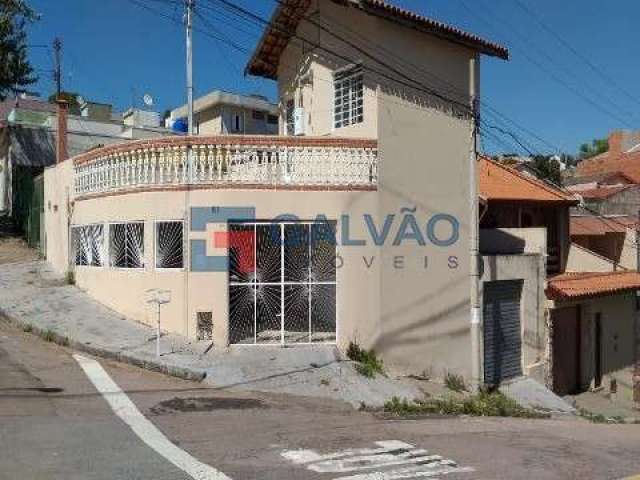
502 332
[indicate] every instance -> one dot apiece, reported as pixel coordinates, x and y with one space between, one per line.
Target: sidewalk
32 297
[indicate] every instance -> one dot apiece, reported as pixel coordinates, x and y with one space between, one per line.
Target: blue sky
115 51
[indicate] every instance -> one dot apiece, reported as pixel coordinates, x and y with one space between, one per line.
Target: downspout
636 370
474 228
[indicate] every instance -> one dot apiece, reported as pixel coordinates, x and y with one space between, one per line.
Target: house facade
355 228
555 310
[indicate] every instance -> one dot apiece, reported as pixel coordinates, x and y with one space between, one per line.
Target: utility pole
57 73
190 4
477 379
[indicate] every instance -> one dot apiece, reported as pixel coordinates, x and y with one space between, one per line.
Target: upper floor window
348 96
257 115
272 120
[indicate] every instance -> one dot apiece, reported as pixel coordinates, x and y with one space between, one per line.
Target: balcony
228 161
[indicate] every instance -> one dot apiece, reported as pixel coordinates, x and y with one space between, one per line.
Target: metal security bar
88 245
282 283
126 245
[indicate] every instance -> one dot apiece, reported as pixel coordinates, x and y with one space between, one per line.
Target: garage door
502 334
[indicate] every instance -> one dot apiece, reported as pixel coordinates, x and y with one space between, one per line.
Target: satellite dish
148 100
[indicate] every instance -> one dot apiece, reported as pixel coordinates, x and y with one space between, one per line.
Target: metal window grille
169 245
205 325
88 245
126 245
282 283
348 87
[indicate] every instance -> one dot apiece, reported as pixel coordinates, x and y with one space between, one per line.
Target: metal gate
282 283
502 334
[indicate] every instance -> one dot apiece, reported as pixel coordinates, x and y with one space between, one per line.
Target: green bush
455 382
368 364
70 277
483 404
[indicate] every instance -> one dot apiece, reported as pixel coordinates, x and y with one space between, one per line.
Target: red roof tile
602 192
289 13
499 183
592 225
570 286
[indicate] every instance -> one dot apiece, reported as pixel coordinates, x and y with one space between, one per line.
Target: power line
599 71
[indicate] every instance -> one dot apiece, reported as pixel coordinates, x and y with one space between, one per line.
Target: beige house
224 113
553 309
353 225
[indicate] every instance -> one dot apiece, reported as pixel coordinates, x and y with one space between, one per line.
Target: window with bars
126 245
88 245
169 245
348 105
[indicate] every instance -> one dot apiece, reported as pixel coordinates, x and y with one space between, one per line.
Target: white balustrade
281 164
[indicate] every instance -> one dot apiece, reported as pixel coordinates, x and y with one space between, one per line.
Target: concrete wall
535 335
424 147
513 240
618 315
124 290
583 260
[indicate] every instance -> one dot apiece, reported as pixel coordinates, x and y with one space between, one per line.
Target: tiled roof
627 163
26 104
601 193
289 13
501 183
569 286
592 225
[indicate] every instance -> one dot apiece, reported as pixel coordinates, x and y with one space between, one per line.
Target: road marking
124 408
415 462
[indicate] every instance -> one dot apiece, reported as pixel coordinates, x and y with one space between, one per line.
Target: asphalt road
54 424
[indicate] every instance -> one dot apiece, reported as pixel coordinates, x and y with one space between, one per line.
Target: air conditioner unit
299 121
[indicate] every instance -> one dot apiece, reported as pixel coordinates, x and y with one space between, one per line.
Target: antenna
148 100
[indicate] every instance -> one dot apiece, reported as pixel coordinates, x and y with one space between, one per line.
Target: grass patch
368 364
455 382
483 404
48 335
598 418
70 277
325 382
27 328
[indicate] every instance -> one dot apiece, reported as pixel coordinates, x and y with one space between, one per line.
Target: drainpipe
474 230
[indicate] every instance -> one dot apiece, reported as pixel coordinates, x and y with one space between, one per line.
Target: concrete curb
191 374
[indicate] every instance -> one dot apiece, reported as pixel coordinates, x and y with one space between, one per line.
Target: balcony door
282 283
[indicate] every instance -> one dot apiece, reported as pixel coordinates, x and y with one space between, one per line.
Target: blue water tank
180 125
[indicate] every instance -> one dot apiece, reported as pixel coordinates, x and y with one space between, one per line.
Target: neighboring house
612 199
623 157
583 332
242 235
611 237
222 113
28 129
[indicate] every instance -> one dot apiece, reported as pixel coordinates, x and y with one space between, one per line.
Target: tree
16 72
547 168
71 98
596 147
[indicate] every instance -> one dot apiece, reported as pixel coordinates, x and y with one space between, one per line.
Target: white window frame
355 101
144 250
156 239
